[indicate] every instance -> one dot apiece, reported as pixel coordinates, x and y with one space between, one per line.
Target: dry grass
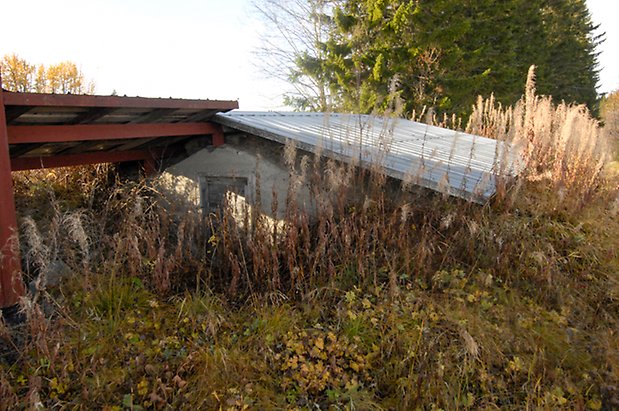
561 145
384 299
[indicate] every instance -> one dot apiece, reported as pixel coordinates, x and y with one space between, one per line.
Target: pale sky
182 48
605 13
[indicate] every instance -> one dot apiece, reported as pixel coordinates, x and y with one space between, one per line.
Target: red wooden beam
85 132
11 284
31 163
75 100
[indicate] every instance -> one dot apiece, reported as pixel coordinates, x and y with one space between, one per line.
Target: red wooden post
11 285
149 165
218 136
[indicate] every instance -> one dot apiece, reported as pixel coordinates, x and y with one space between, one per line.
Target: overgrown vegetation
610 115
391 297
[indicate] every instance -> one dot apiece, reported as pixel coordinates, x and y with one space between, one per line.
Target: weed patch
390 297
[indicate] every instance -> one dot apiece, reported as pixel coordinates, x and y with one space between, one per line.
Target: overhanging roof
457 163
47 130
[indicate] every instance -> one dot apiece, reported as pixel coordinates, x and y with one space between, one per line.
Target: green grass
366 349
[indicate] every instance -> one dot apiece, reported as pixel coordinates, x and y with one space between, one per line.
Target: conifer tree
570 66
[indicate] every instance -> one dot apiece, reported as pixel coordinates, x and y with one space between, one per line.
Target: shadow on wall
245 172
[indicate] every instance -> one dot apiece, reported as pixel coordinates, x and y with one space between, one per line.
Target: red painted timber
218 137
11 284
67 160
75 100
149 166
88 132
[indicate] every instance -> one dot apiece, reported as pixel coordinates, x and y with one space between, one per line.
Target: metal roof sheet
460 164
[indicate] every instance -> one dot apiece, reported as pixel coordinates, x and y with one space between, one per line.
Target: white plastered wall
261 162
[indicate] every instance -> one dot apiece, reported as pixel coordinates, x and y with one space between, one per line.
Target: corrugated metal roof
460 164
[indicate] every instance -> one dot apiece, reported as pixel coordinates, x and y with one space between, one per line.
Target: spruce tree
570 66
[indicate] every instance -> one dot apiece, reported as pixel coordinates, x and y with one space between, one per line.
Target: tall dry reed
560 144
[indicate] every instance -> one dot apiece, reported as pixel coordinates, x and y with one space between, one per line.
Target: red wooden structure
48 130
